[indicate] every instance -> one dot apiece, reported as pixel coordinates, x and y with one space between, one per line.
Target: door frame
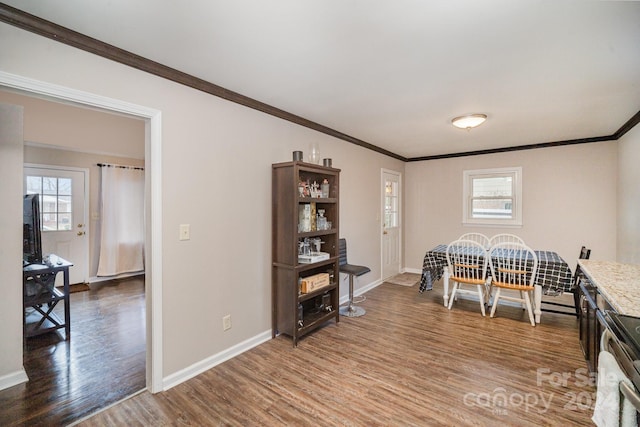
400 216
85 171
153 199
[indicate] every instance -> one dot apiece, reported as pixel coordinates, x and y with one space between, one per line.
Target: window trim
469 175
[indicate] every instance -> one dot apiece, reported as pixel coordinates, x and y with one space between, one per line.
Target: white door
64 228
391 229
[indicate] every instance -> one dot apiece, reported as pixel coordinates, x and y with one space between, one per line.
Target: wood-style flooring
103 362
407 362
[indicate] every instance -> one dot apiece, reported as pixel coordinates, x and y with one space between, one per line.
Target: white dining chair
505 238
476 237
513 267
467 266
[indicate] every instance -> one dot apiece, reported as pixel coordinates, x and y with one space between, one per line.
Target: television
32 238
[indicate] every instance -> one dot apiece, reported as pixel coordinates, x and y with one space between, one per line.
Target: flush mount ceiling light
469 121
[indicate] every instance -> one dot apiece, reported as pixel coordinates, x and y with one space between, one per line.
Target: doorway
392 224
153 200
63 192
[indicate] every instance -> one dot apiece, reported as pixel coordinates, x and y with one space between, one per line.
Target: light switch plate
185 232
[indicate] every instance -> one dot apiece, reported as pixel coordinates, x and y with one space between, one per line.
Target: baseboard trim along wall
208 363
13 378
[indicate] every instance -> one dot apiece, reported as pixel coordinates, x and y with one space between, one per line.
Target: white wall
11 371
569 200
216 167
628 250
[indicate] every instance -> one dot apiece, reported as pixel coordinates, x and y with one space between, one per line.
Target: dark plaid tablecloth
554 274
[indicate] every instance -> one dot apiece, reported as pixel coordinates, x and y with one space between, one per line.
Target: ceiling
394 73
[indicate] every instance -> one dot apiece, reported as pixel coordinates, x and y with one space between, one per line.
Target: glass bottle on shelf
324 188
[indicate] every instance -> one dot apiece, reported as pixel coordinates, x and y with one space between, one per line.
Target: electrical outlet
226 322
185 232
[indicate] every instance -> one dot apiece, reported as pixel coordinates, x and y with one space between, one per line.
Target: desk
41 295
554 275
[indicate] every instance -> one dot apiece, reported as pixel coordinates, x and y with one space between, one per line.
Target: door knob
81 233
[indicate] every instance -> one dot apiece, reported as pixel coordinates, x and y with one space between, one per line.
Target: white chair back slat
476 237
505 238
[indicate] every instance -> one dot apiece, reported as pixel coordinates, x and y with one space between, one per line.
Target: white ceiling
394 73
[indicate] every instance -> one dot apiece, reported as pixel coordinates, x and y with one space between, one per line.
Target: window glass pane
64 203
388 188
498 186
64 221
34 185
492 208
48 203
49 185
393 219
64 186
49 221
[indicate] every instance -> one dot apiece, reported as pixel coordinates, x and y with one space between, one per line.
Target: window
55 200
391 208
493 197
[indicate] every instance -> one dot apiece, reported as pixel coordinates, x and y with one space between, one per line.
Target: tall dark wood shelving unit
294 313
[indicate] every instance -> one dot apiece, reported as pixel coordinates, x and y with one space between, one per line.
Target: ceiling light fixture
469 121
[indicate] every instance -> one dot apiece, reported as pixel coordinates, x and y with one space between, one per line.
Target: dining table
553 278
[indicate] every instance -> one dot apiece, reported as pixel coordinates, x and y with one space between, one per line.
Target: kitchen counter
618 283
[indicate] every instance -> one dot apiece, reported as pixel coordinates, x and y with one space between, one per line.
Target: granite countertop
618 283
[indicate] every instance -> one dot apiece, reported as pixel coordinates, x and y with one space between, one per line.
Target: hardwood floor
103 362
408 362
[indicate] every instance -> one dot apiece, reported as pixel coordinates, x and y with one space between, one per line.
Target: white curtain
122 215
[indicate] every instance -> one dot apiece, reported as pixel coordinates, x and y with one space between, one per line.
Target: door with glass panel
391 228
64 228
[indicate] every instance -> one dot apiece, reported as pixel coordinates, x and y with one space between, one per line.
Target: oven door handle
630 394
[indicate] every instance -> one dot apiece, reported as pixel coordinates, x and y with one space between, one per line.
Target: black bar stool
351 270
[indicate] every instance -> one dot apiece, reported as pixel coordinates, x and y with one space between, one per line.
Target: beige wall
216 169
11 370
71 127
628 250
569 200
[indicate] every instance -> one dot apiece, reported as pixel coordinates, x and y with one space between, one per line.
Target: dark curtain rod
107 165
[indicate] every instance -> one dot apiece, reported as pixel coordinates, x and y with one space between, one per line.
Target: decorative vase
314 153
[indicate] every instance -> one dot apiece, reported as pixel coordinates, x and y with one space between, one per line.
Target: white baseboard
412 270
208 363
13 378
